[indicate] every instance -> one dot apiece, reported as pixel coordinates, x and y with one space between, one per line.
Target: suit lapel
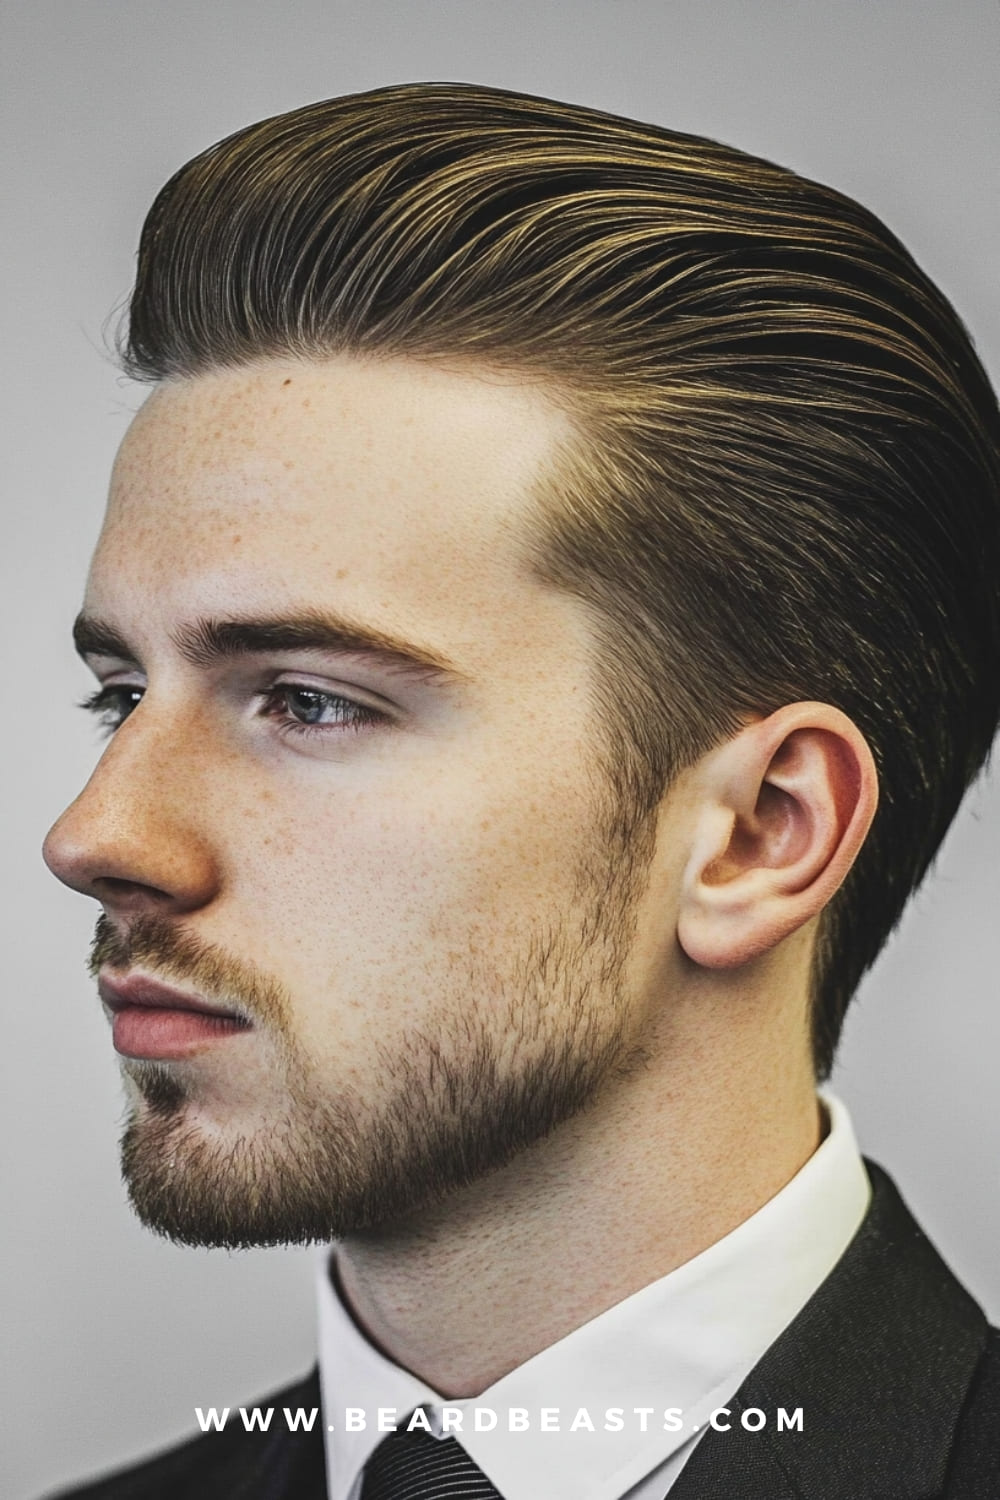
296 1467
283 1465
879 1360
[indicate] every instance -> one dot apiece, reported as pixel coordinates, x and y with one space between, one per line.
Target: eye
297 708
302 710
113 704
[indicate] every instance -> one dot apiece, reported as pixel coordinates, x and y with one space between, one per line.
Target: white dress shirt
684 1343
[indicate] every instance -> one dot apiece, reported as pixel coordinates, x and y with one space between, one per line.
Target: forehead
390 488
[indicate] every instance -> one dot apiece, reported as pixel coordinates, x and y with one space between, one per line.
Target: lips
154 1021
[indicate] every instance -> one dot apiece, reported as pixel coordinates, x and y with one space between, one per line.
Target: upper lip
151 994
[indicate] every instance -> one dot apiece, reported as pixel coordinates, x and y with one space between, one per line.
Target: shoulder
974 1472
894 1372
232 1463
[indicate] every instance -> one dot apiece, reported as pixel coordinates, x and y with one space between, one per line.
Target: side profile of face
350 809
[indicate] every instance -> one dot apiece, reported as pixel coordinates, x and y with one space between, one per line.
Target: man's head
656 441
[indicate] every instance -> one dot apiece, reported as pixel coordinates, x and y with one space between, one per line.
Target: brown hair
786 484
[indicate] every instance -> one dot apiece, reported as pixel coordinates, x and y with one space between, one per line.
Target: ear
781 811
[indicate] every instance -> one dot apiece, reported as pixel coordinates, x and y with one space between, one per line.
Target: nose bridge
138 768
140 817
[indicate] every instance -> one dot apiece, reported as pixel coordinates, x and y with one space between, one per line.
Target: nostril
123 895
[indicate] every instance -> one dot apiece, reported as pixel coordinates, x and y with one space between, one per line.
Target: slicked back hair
786 484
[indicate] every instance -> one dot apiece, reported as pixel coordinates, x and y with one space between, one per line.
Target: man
547 617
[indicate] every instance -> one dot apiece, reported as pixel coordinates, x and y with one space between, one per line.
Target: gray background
110 1336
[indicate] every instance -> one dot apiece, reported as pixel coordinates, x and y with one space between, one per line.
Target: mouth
152 1020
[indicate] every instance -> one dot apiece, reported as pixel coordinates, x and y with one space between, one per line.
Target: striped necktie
419 1466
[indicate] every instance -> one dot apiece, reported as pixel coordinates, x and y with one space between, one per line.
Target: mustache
178 957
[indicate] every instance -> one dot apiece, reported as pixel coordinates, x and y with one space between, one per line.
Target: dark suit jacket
891 1360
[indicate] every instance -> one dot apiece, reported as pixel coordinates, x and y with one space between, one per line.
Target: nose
136 838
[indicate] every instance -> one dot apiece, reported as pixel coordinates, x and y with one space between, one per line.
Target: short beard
522 1053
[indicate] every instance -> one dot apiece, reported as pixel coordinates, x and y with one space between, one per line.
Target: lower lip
141 1031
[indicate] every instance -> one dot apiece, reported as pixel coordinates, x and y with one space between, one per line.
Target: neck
661 1167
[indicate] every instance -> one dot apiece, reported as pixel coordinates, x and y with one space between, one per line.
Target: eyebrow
205 642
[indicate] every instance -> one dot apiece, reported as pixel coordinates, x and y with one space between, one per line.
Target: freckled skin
366 874
393 881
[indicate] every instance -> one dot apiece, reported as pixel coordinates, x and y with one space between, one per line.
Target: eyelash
106 703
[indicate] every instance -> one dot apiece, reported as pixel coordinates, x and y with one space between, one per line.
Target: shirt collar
686 1341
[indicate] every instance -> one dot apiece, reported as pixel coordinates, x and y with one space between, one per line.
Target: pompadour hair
787 479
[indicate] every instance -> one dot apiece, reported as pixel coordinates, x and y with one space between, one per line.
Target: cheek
377 899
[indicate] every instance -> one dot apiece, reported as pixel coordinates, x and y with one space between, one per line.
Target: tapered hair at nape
785 484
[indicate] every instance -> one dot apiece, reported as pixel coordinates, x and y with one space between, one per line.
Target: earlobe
784 809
